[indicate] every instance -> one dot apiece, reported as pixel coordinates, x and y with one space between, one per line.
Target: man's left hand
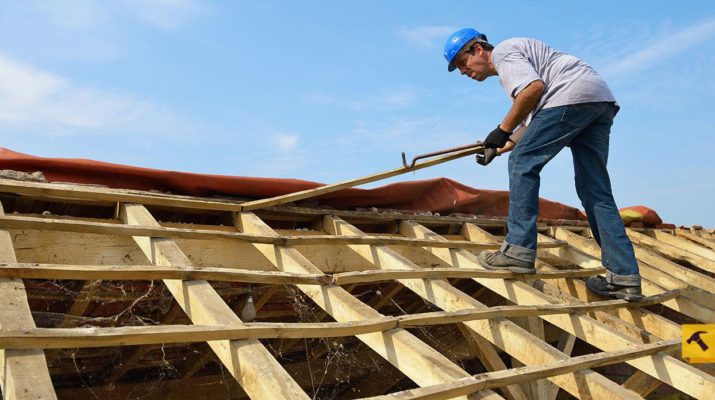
487 157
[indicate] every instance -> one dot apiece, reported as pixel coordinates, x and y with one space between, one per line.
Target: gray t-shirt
567 79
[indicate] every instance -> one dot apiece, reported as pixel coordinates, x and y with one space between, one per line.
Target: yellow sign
698 342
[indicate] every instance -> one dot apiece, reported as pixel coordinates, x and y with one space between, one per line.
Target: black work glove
496 138
487 157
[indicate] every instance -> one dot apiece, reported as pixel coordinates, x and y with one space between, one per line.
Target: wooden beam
414 358
81 194
565 345
540 388
632 319
668 369
250 363
695 238
445 273
697 305
671 251
53 224
154 272
681 243
56 338
23 373
490 359
642 383
524 374
499 331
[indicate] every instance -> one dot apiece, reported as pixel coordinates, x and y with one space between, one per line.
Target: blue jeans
585 128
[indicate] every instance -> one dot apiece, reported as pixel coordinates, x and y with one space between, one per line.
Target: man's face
474 64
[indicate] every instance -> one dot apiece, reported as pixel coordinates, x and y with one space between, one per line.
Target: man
558 101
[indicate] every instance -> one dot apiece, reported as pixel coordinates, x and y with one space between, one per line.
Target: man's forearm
523 104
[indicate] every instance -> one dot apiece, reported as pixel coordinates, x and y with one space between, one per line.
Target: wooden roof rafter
625 332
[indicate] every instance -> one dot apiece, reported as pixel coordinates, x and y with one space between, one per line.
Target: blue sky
328 90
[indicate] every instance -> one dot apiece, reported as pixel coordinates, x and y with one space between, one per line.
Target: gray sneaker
498 261
600 286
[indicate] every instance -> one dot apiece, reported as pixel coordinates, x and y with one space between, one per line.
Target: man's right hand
487 157
496 138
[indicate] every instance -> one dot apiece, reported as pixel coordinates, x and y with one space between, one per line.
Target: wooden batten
418 361
690 380
498 331
23 373
373 289
250 363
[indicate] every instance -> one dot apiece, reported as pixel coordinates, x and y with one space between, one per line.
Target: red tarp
442 195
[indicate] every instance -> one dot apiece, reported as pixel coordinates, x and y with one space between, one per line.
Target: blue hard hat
457 41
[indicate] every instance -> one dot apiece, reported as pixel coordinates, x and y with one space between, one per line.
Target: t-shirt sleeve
515 71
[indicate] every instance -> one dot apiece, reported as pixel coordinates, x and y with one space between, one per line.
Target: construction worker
557 101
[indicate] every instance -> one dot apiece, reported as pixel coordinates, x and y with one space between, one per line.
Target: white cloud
168 14
426 36
665 46
286 142
33 98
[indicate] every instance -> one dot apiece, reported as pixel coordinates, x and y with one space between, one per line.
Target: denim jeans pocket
580 115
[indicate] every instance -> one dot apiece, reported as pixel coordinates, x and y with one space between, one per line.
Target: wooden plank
305 194
540 388
677 275
565 345
695 238
631 319
380 217
445 273
414 358
23 373
106 196
490 359
55 338
666 368
642 383
681 243
153 272
671 251
53 224
499 331
82 194
250 363
695 304
524 374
